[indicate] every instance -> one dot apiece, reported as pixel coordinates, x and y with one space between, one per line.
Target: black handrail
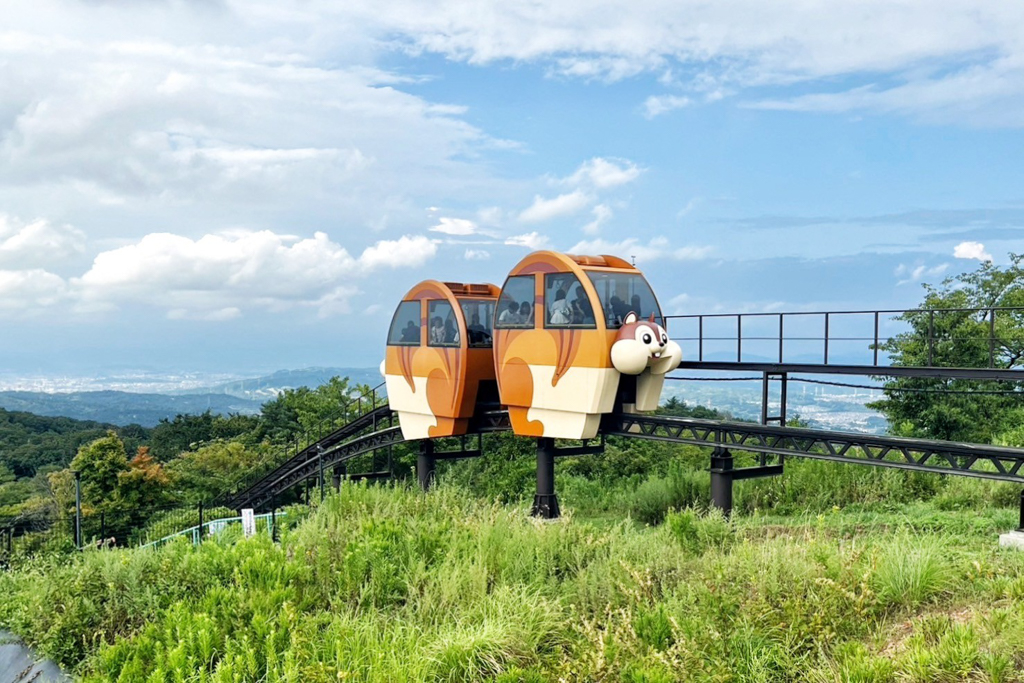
877 341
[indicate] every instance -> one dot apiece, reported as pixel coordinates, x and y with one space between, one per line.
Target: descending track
369 420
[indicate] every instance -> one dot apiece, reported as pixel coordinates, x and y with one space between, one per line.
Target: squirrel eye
647 339
664 339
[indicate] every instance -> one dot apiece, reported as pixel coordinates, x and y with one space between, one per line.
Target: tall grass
388 584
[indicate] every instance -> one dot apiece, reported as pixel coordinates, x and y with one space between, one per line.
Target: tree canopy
966 321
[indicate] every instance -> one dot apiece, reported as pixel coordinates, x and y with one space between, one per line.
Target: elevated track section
772 344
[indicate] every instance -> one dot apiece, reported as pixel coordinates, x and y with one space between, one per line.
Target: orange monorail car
439 358
572 334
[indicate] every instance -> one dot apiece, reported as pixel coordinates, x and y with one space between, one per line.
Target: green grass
389 584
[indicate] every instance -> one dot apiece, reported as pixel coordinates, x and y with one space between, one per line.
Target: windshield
479 314
621 293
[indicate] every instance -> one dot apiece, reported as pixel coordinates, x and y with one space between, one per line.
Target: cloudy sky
246 186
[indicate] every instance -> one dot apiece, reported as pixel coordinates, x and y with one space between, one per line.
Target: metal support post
764 398
426 464
78 509
336 477
320 469
545 503
273 519
103 526
1020 524
199 535
721 480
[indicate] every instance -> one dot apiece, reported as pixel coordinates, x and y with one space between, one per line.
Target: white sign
248 522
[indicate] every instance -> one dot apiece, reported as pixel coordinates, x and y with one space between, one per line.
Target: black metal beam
864 370
963 459
578 450
458 455
757 472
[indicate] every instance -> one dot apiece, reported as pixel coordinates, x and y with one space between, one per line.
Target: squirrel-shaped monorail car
567 339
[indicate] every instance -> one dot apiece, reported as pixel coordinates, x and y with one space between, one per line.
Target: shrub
698 533
910 572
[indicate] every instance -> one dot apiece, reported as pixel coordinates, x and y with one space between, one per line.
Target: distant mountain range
268 386
122 407
823 407
245 396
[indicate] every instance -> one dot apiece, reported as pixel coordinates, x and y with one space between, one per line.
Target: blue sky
239 187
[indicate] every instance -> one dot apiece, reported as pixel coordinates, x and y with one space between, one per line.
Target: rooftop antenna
633 259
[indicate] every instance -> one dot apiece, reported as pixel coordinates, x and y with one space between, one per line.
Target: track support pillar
721 480
426 464
1020 522
545 503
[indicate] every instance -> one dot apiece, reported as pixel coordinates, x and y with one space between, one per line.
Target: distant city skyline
237 187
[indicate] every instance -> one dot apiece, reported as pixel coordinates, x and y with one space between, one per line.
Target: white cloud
690 206
491 215
656 105
455 226
217 277
562 205
37 243
530 240
971 250
602 214
909 274
657 248
196 107
218 315
28 290
604 173
477 255
952 59
405 252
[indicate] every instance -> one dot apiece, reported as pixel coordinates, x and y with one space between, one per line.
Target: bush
697 533
682 488
910 572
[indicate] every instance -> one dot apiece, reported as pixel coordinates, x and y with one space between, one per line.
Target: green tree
207 472
300 411
965 330
101 464
145 484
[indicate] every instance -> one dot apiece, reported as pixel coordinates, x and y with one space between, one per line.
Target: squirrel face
643 343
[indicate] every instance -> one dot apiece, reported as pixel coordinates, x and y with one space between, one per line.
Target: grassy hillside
388 584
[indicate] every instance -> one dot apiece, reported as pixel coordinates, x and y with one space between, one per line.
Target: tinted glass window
442 327
621 293
567 303
478 313
405 326
515 306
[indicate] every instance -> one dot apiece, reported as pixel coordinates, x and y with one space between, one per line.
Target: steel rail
939 457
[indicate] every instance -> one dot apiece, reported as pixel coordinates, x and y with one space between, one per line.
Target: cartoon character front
643 348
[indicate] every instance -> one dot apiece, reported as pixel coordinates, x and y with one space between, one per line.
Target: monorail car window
567 302
516 296
406 326
621 293
479 315
442 326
